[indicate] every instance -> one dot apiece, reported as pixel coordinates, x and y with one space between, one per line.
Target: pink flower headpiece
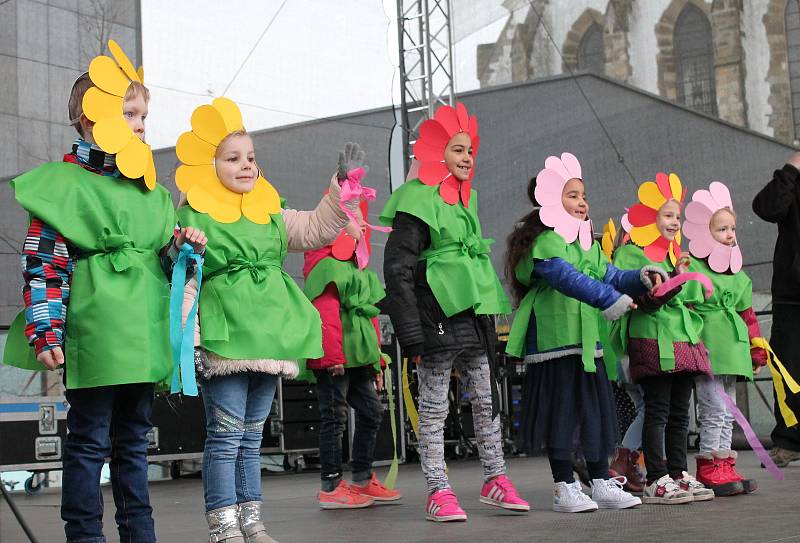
549 187
434 135
697 229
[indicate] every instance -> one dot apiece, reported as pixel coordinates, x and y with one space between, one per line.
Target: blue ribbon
181 337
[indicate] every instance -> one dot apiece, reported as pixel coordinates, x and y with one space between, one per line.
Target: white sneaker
665 491
608 494
569 498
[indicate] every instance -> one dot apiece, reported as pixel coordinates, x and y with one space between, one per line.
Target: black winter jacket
418 319
779 202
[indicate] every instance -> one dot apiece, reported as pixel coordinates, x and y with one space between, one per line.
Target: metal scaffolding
425 38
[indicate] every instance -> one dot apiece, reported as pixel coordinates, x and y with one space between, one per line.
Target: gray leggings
716 422
434 383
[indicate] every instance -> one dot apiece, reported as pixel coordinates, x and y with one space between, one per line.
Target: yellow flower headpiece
640 221
607 241
197 177
102 104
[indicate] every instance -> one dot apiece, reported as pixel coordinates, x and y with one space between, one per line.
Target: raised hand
350 158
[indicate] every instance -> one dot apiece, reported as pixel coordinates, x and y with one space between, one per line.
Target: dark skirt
565 409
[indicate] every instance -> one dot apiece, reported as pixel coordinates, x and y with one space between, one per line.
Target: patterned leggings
434 383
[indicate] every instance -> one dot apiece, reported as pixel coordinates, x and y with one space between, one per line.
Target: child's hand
338 369
51 359
682 263
196 238
794 160
379 381
350 158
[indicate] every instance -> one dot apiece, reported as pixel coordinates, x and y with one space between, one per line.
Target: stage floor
770 515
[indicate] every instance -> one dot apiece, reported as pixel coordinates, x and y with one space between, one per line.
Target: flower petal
221 204
736 259
476 143
650 196
473 131
261 202
207 123
657 251
720 258
140 73
585 235
625 222
676 189
449 190
697 212
721 194
644 235
703 197
699 248
465 188
448 118
229 112
134 159
188 176
424 151
434 135
150 173
193 150
554 163
112 134
123 61
642 215
433 173
549 187
662 183
98 104
106 74
463 117
572 165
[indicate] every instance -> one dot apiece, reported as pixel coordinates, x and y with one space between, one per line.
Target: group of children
104 239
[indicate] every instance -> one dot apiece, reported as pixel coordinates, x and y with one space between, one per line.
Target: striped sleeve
47 267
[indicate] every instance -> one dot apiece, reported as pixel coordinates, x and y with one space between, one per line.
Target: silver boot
251 525
223 525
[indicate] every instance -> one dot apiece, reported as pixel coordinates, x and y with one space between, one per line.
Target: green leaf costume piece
672 322
249 307
117 328
459 270
561 321
724 332
359 291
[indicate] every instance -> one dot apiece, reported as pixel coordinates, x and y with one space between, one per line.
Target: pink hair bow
352 189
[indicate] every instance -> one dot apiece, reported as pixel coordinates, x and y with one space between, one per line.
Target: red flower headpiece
434 135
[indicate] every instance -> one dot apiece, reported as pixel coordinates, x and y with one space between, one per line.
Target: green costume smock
459 270
724 332
359 291
670 323
249 307
117 326
561 321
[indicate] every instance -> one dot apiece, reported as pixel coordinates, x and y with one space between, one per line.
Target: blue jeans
357 389
236 408
632 440
108 421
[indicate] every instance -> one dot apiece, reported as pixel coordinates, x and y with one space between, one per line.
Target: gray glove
350 158
651 269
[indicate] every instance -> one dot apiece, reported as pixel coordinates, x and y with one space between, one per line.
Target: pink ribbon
681 278
751 436
352 189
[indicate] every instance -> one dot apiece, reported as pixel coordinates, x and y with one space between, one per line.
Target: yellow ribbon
780 375
411 409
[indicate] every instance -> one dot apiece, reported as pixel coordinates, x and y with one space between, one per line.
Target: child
729 323
441 290
345 292
662 340
563 284
96 298
254 321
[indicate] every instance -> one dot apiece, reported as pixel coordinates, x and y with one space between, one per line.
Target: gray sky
318 58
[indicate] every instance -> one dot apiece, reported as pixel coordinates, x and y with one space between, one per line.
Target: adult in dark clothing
779 202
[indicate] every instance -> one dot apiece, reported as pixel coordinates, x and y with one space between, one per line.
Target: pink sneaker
500 492
443 507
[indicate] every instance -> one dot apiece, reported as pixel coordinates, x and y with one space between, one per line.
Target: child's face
668 220
723 227
573 198
134 111
354 230
458 156
235 163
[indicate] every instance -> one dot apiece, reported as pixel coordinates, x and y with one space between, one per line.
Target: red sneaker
377 490
344 497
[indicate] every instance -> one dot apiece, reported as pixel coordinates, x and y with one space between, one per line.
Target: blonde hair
234 134
729 210
83 84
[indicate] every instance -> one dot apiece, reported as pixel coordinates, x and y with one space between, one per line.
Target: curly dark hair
519 243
